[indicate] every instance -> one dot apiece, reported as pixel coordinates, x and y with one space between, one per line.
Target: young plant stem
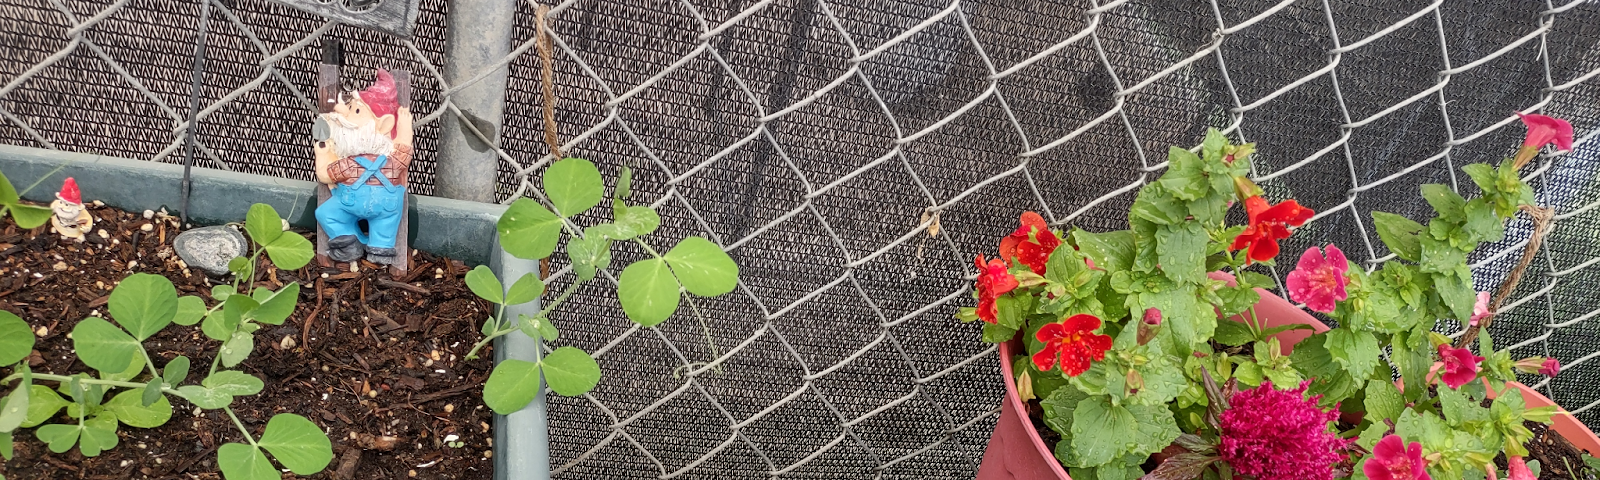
237 423
85 381
148 363
499 319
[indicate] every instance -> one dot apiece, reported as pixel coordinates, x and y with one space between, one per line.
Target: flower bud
1544 366
1246 188
1150 325
1135 382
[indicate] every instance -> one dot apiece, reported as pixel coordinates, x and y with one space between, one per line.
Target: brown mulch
377 363
1558 458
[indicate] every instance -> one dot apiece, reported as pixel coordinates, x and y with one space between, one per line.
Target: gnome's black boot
344 248
382 256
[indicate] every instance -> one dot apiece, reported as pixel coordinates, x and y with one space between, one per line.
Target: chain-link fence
855 156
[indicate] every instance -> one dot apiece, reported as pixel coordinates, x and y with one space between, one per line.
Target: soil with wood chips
378 363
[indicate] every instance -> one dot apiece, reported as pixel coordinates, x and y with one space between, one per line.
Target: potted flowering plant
1153 352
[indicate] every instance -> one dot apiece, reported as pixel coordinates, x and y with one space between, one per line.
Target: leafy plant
649 290
26 216
1128 355
128 389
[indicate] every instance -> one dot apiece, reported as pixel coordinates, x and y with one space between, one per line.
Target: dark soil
1558 458
377 363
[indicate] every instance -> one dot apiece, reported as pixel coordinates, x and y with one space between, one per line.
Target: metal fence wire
855 156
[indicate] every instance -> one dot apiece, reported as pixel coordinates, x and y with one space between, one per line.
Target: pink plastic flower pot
1016 452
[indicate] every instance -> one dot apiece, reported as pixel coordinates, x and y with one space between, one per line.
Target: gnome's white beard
350 140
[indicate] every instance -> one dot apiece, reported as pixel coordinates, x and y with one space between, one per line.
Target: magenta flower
1318 280
1392 459
1550 368
1480 310
1460 366
1518 469
1543 130
1280 434
1544 366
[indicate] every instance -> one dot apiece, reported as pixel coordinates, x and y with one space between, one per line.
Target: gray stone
210 248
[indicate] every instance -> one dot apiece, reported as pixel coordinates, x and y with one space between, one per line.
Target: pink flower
1518 469
1318 280
1272 434
1392 459
993 281
1460 366
1550 368
1074 342
1543 130
1480 310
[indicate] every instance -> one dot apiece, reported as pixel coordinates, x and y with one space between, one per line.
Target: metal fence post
478 38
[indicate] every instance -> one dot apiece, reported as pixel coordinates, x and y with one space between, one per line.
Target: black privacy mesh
817 139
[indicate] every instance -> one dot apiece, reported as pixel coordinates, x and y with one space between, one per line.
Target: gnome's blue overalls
380 205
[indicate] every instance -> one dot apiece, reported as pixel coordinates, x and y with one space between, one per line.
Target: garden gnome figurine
70 219
364 162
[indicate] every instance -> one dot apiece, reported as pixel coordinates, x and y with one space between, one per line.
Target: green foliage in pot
128 389
1128 357
649 290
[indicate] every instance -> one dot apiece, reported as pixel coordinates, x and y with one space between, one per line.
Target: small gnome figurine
70 219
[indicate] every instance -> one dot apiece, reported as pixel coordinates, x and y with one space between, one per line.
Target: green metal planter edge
457 229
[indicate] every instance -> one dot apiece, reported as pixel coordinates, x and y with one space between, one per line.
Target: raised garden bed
378 364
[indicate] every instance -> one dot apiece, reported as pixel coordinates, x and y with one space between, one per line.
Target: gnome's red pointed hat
69 192
380 97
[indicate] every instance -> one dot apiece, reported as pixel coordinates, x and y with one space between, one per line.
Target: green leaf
484 284
589 255
1181 251
43 403
1357 351
143 304
702 267
263 224
1233 333
1184 176
1455 288
1400 234
1458 409
277 306
1101 432
236 349
220 293
525 290
291 251
99 435
1482 224
1447 202
129 408
152 392
528 231
1157 428
8 193
297 443
537 327
6 451
233 382
570 371
14 409
1058 406
16 339
1383 400
574 185
204 397
102 346
994 333
60 438
243 462
29 216
1112 251
624 183
239 266
648 292
190 310
635 221
511 385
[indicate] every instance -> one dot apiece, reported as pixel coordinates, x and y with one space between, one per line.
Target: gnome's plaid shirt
346 170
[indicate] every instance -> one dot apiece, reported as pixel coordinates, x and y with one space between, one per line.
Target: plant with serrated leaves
1127 355
649 290
128 389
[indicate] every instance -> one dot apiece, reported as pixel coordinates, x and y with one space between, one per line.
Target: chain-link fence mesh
855 156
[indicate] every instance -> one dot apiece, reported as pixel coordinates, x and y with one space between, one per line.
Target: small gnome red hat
381 97
69 192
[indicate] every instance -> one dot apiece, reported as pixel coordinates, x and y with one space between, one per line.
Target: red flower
1392 459
1318 280
1031 244
1544 366
1074 342
1460 366
1518 469
1272 434
1550 368
1268 224
993 281
1543 130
